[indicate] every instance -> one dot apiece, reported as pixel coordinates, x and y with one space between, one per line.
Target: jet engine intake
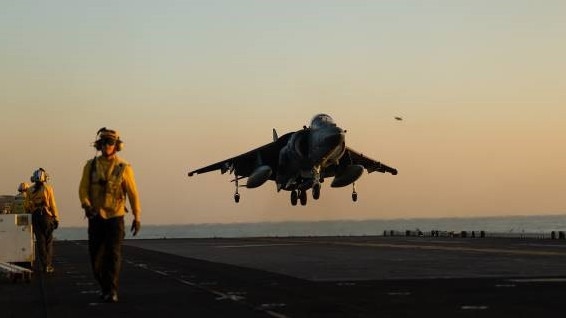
347 176
259 176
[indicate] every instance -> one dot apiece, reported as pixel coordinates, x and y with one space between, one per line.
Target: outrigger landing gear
354 193
236 195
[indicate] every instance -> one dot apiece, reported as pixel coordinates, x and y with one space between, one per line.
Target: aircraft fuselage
308 152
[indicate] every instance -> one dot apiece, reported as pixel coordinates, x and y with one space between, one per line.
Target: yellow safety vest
104 185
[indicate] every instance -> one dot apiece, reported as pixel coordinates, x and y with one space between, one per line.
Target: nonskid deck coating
306 277
377 258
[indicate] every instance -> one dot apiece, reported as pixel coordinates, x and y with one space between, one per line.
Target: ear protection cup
98 145
119 145
98 140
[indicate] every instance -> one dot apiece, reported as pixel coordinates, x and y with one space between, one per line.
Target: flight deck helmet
23 187
105 135
39 175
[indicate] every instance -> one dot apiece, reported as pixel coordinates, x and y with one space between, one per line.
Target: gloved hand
89 211
136 226
55 224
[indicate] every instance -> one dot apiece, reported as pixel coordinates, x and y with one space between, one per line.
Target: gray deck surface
306 277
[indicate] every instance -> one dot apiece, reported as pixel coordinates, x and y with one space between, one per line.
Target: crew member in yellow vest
19 199
40 202
106 181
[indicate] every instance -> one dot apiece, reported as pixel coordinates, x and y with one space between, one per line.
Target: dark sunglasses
109 142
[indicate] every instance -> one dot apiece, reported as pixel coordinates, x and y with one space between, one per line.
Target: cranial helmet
23 187
39 175
103 135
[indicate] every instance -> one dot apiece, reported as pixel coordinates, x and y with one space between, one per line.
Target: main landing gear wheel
316 191
294 197
303 197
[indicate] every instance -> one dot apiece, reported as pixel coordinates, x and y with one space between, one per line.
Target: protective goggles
108 141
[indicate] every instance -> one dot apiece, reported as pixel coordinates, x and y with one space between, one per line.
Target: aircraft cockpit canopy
322 120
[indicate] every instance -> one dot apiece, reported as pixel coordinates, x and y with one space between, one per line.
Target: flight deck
306 277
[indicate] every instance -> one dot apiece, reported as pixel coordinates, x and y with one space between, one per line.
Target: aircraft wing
369 164
244 164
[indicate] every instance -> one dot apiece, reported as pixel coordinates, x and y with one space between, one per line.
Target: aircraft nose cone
335 137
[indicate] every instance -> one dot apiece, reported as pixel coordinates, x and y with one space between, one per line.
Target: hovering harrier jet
301 160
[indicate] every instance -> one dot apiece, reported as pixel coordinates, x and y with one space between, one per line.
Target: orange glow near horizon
480 89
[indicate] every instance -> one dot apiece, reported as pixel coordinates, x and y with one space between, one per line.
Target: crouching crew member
105 183
40 202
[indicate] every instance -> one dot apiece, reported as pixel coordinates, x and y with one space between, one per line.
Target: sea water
508 225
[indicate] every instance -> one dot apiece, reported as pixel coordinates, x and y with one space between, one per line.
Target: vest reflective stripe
108 187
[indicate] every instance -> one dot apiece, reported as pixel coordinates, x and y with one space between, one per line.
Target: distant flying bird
398 118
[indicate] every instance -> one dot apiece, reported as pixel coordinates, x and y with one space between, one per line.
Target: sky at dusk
481 87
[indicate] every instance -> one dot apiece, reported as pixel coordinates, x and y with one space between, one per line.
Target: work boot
49 269
111 298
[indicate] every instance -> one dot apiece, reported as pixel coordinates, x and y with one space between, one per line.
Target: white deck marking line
474 307
538 280
475 249
256 245
442 248
220 295
456 249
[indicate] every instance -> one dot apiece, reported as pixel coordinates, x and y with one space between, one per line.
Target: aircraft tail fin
275 137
